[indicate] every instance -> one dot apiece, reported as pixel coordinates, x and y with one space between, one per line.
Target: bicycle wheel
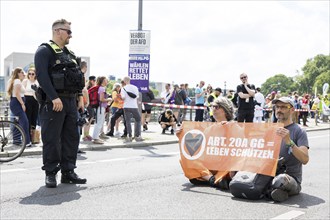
12 141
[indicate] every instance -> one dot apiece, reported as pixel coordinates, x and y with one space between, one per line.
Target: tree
277 83
320 80
316 73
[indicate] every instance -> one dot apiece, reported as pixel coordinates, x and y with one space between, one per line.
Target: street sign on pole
139 59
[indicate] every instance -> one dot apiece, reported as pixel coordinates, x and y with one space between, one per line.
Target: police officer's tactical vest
66 75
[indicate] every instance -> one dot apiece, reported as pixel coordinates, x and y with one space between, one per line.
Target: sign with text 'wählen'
139 59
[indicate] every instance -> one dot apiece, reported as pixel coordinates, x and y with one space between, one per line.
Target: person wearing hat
92 78
223 111
215 94
166 120
294 150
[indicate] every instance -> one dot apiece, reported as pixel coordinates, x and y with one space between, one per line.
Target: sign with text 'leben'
139 59
233 146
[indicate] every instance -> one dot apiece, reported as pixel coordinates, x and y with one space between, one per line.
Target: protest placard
233 146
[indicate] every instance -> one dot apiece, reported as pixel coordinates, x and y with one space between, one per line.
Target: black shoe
163 132
124 136
211 181
223 184
50 180
81 152
110 134
279 195
72 177
145 127
199 182
172 131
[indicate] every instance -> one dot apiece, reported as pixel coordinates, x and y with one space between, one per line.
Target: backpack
254 186
93 95
249 185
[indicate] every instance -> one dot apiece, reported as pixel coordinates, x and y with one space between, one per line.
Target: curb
95 147
146 143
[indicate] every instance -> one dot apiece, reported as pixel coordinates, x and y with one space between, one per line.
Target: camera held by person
82 118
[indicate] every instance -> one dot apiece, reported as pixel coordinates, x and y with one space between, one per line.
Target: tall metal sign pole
139 56
140 16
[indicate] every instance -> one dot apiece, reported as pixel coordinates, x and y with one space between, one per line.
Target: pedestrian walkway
151 137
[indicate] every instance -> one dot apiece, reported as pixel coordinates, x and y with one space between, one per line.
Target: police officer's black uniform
59 76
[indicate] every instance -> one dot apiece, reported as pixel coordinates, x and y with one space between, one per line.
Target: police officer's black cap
218 89
92 78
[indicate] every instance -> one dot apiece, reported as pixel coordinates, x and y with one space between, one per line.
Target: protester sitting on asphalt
223 111
294 150
166 120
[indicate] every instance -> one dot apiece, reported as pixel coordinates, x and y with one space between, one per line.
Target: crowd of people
23 103
250 106
64 101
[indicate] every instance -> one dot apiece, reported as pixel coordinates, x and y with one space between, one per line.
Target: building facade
25 61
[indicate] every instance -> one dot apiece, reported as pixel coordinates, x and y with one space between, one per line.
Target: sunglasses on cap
243 77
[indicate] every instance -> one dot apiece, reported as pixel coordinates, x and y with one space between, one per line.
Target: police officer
61 81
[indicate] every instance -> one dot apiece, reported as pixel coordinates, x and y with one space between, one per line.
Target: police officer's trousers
60 136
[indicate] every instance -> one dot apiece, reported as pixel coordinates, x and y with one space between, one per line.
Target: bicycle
12 139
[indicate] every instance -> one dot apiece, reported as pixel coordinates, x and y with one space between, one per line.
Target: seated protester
294 150
223 111
167 119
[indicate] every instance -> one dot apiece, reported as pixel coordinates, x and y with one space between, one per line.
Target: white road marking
12 170
91 162
317 137
289 215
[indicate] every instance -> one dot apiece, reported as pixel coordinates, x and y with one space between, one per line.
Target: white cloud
191 41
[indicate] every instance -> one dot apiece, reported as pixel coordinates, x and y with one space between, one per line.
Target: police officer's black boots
50 180
72 177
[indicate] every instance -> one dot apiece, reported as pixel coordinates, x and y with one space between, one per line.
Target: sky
214 41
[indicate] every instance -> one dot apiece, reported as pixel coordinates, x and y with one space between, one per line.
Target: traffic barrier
175 106
204 107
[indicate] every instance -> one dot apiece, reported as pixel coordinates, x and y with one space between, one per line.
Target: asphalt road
148 183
